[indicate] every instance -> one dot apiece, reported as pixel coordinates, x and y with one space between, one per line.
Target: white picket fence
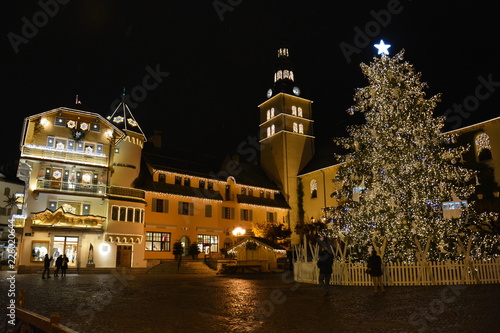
406 274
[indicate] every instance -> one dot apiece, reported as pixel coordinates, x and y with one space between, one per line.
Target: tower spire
284 77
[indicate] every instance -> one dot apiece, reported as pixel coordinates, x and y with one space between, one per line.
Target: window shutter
153 208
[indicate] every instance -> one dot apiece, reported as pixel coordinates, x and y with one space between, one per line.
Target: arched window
314 188
295 128
272 112
483 147
272 129
300 112
268 114
269 131
294 110
301 128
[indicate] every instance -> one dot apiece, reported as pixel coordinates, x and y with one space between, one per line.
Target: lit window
157 241
272 129
280 75
269 131
483 147
299 113
295 127
272 112
286 74
314 188
294 110
301 129
291 75
268 114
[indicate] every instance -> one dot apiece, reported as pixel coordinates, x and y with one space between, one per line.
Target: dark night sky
220 70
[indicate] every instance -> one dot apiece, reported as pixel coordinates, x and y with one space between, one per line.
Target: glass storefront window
68 246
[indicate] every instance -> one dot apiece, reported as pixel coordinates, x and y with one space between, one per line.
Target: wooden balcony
47 153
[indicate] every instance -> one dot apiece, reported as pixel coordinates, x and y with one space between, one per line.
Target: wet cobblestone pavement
251 303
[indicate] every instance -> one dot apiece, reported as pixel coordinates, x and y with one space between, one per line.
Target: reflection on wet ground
251 303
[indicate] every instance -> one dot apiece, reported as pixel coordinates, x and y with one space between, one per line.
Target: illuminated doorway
66 245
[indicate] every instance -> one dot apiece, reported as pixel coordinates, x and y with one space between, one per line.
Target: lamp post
237 232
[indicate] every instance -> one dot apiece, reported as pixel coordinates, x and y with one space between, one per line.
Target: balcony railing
48 153
60 186
85 188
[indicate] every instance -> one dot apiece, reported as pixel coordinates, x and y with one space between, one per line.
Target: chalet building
99 191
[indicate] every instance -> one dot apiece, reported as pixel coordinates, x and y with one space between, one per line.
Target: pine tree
400 170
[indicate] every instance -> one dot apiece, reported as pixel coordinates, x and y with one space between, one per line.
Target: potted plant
178 250
194 250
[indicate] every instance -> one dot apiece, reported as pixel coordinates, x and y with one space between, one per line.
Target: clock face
296 91
269 93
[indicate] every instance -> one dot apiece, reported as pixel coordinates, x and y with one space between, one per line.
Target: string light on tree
407 168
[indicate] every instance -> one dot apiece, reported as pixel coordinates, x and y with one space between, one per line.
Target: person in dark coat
64 265
375 270
46 266
58 265
325 263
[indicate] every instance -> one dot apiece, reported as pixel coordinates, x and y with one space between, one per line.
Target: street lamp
238 232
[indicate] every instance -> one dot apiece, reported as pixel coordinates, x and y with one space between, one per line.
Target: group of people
325 265
61 265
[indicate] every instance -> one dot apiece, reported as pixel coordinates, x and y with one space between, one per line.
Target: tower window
299 113
279 75
314 188
272 112
269 131
483 147
294 110
295 127
301 128
268 114
272 129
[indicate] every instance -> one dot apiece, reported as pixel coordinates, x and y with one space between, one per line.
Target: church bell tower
286 132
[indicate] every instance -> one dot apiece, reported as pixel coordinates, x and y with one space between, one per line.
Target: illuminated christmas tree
403 180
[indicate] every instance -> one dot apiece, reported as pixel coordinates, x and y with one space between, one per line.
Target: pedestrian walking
64 265
46 266
375 270
59 261
325 263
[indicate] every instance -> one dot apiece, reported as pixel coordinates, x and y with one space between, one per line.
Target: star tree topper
382 47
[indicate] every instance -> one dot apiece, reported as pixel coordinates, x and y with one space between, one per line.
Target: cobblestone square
251 303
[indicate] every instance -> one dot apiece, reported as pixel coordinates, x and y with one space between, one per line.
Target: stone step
186 267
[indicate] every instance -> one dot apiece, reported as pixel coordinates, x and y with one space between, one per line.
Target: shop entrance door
123 256
66 245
